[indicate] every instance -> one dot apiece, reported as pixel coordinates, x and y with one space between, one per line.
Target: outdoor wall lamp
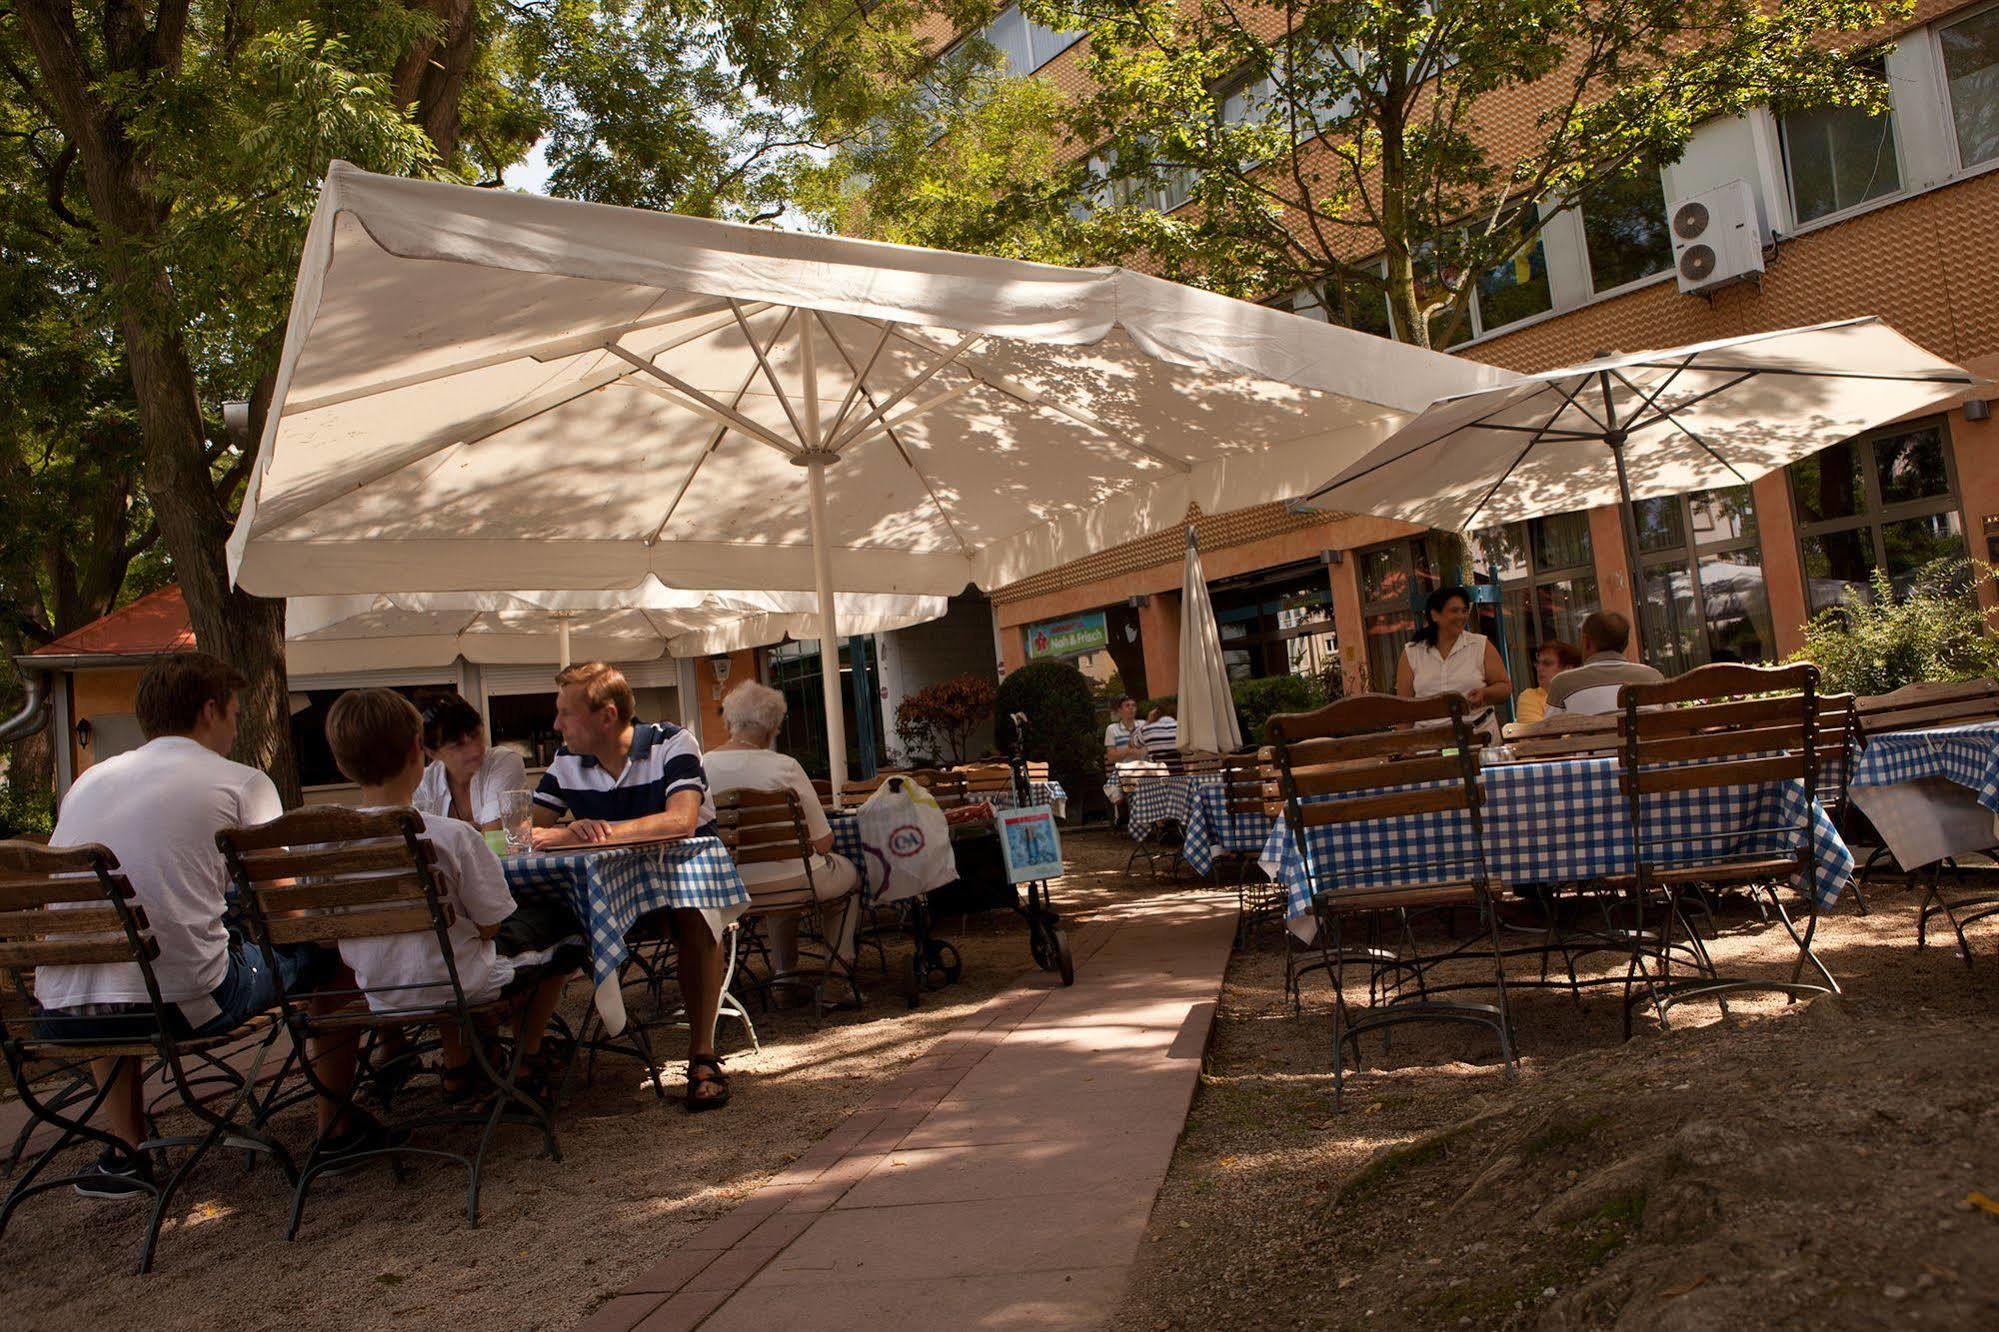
1978 409
84 730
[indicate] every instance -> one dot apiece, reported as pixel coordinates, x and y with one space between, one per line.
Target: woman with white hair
746 762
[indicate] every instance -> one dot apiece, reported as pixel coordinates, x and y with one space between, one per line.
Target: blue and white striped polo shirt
665 758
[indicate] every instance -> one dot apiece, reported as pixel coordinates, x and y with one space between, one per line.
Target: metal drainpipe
35 708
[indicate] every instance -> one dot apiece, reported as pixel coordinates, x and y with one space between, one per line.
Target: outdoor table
1156 800
611 887
1049 793
1930 794
1211 830
1554 822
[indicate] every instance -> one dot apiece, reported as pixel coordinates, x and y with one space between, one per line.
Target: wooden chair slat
322 823
1391 804
1332 779
28 861
27 894
357 892
331 926
93 951
1393 897
772 853
1709 682
1694 777
1927 693
1377 744
36 924
1930 717
1743 713
263 865
1764 740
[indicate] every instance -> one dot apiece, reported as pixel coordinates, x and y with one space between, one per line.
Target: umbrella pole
562 642
814 460
1627 521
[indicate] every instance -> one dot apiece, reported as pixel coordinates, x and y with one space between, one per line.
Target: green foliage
1256 701
26 811
937 721
1062 726
1935 631
1366 168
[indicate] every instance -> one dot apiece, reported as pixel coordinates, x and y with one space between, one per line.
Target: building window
1546 571
1704 594
1355 305
1624 229
1886 500
1839 158
1516 289
1277 622
1026 44
1971 78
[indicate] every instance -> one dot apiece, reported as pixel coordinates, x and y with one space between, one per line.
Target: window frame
1268 635
1874 515
1936 26
1687 556
1631 284
1788 186
1537 577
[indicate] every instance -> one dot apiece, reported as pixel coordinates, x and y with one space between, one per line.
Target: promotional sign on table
906 840
1030 845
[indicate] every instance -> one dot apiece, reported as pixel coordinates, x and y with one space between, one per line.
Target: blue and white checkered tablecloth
1155 800
1048 793
1211 829
610 889
1554 823
847 842
1965 755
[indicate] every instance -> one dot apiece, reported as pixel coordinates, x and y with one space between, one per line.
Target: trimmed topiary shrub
1062 725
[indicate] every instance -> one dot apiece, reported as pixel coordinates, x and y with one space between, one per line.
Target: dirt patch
1791 1165
636 1179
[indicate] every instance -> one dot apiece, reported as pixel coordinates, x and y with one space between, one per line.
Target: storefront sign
1068 636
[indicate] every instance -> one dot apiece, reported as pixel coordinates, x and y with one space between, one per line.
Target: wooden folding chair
71 907
987 781
326 874
1257 901
1373 758
1926 707
1714 728
768 827
1565 737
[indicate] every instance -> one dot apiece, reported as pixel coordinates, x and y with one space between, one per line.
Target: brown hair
1607 631
1567 655
604 685
175 688
372 733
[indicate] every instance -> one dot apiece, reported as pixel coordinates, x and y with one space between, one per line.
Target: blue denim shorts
249 988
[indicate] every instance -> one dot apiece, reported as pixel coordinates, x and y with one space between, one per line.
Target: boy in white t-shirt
376 737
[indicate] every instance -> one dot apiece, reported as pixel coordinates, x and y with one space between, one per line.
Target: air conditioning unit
1716 238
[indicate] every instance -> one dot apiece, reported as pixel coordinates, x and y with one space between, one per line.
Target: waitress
1447 658
465 777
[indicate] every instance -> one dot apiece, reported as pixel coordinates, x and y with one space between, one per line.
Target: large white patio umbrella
1207 707
326 634
1656 423
482 390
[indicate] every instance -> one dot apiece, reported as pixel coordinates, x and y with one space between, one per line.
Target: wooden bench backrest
63 906
1371 742
327 873
1727 725
1927 706
762 827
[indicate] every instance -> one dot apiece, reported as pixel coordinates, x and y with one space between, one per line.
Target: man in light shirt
1591 688
158 809
1160 735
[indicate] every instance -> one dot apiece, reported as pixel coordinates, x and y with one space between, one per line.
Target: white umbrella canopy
325 634
1206 707
481 390
1688 418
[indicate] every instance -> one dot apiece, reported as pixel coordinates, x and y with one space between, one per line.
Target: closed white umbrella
1207 708
481 390
327 634
1656 423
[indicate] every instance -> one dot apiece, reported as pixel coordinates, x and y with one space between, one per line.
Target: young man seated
618 779
376 736
158 809
1591 688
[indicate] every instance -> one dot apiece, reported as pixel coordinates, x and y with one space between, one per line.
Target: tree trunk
431 75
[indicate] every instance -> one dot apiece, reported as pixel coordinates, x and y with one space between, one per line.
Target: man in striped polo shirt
619 779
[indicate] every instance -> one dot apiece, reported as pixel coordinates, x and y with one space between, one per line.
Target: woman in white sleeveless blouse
1447 658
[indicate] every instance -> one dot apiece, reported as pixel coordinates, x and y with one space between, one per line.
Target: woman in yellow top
1550 660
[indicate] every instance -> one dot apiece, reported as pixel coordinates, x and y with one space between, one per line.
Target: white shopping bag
907 841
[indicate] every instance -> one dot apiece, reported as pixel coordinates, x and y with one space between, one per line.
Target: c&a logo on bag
906 840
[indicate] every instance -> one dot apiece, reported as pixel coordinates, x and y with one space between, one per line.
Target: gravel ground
636 1179
1804 1166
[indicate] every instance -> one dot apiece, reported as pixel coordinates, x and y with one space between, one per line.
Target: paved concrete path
1003 1181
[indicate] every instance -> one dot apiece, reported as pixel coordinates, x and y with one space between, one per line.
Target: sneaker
115 1178
348 1151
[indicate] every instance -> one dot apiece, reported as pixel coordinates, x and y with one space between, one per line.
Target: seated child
377 740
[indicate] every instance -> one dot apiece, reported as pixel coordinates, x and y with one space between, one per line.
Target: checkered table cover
1038 793
610 889
1158 799
847 842
1555 823
1211 831
1966 755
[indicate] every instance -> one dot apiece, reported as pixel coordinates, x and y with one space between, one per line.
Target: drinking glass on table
517 820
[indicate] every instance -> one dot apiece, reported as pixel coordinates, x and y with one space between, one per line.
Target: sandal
711 1065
